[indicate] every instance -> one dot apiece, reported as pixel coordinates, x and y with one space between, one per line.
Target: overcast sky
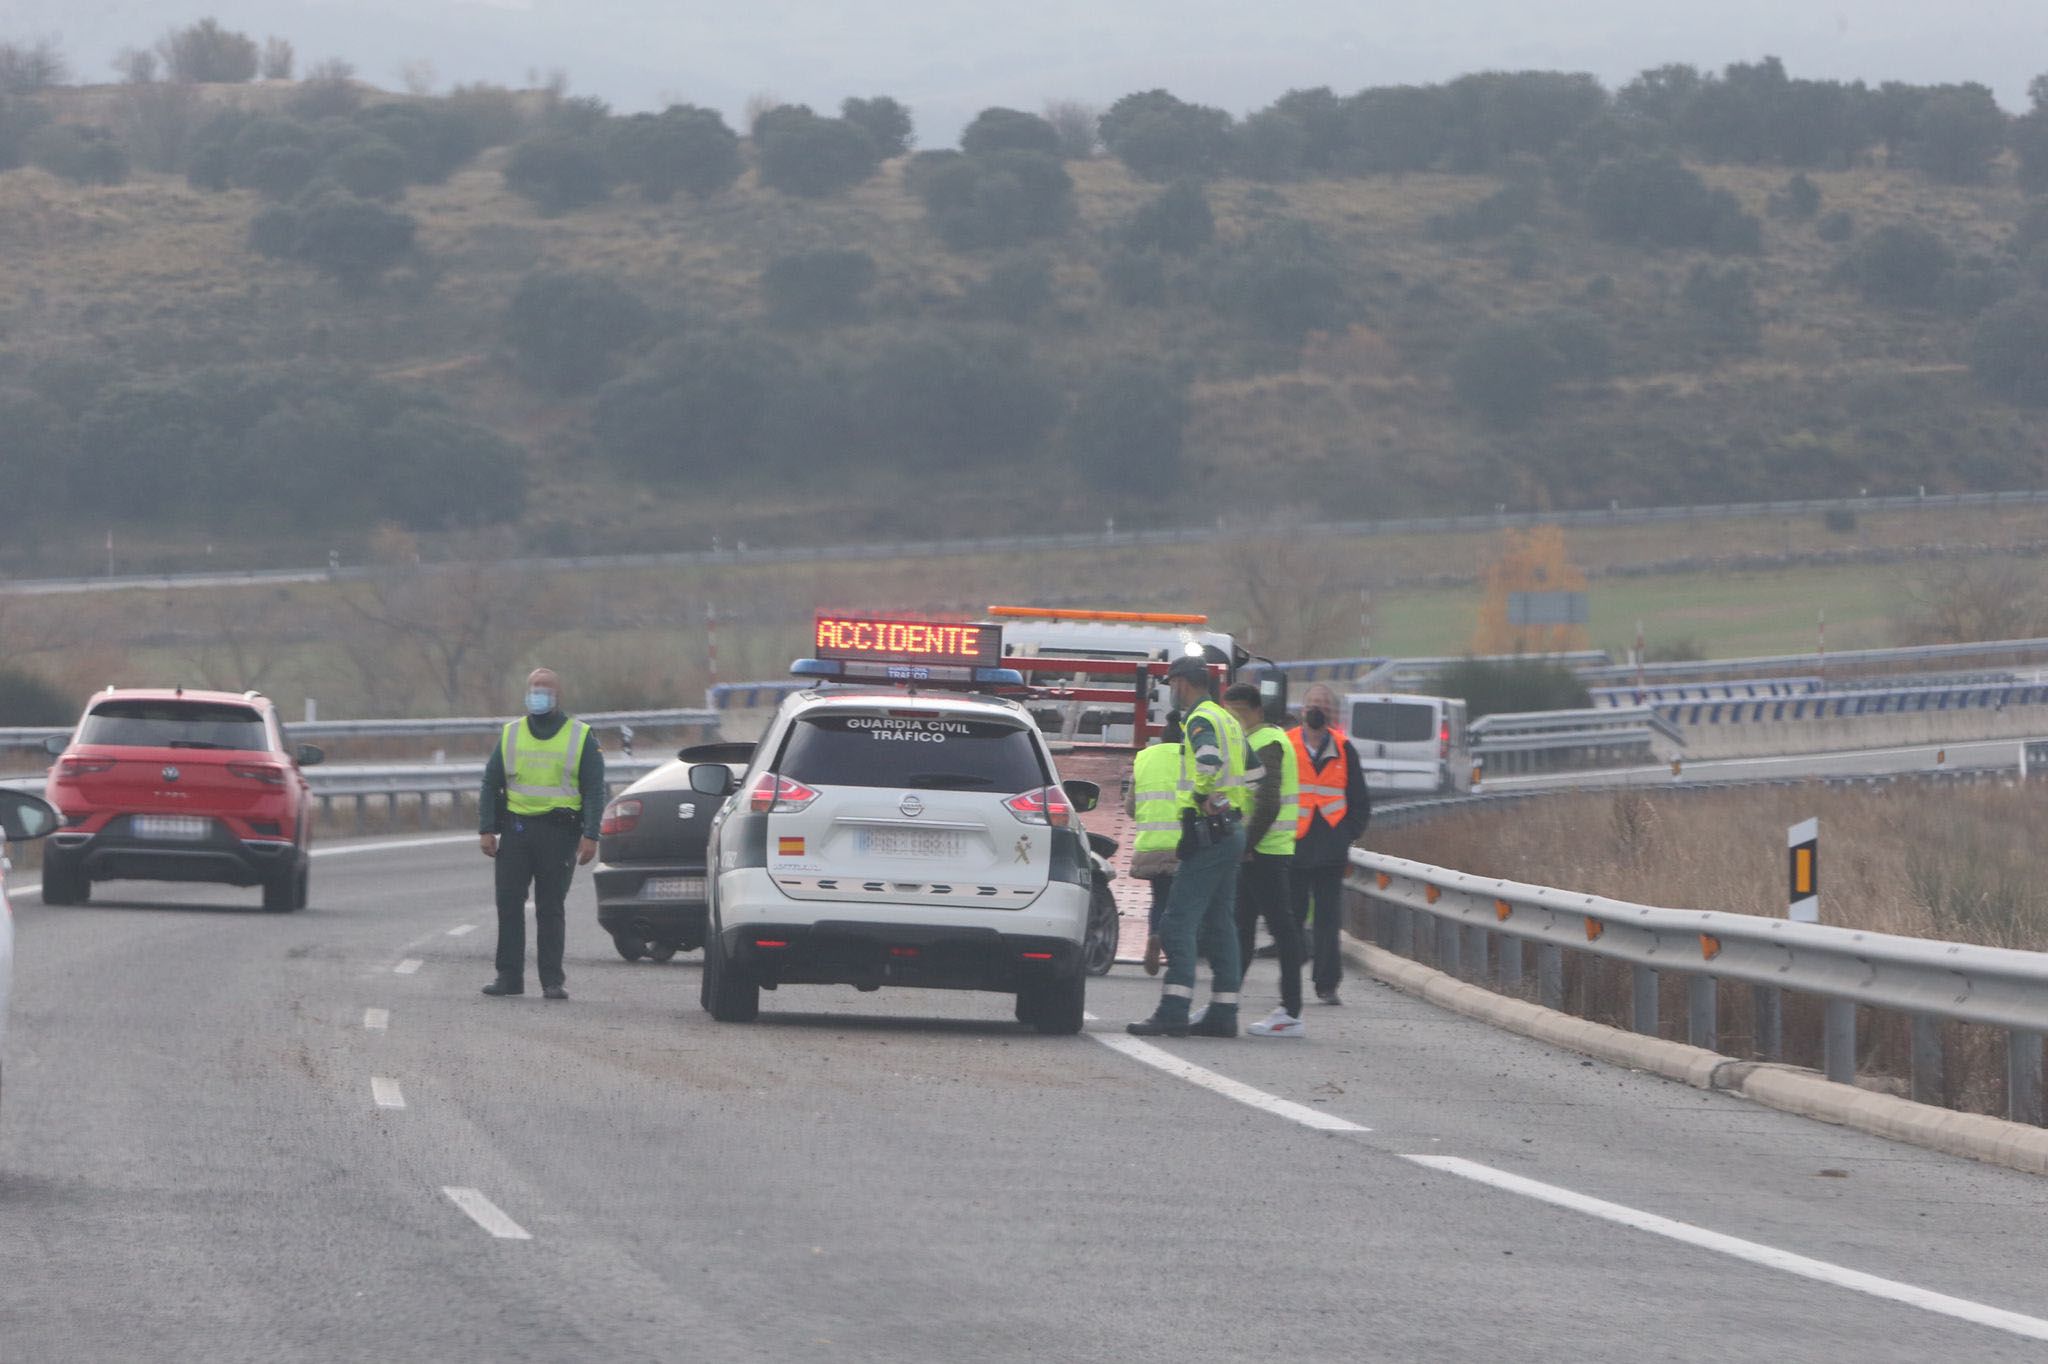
949 58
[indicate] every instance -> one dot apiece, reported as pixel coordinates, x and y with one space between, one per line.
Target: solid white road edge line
1161 1059
408 966
486 1214
386 1092
376 1020
1997 1318
461 929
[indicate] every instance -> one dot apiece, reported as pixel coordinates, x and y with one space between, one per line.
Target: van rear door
1397 738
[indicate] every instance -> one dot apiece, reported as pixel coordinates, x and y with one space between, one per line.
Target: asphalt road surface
233 1136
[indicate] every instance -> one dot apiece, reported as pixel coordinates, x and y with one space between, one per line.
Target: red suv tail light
263 772
1046 805
620 817
778 795
84 767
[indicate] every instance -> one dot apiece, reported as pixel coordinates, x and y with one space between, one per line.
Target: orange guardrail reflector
1430 893
1502 908
1384 880
1594 928
1710 946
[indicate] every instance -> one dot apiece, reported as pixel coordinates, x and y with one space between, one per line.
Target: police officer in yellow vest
1201 910
1262 887
542 802
1154 807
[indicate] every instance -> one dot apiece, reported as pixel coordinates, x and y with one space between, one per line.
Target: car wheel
630 947
1055 1008
728 997
302 887
280 891
1105 929
662 951
64 881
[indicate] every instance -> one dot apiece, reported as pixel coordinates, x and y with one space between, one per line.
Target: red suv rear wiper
192 743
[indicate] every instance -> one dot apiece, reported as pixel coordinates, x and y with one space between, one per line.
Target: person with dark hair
1334 811
1201 909
1262 884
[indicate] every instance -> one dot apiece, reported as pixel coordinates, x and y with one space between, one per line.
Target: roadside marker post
1802 842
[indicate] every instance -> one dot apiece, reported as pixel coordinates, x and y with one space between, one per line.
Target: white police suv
900 825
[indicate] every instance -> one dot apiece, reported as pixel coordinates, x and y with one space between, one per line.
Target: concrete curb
1789 1089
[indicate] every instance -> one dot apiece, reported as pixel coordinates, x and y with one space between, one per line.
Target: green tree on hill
1125 432
812 287
2009 350
1177 220
207 54
886 122
558 172
683 148
1900 265
811 157
565 326
1009 130
352 239
1957 134
1161 137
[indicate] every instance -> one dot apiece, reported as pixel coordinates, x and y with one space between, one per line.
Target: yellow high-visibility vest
540 774
1280 838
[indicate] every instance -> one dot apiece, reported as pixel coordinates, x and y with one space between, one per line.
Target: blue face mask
539 701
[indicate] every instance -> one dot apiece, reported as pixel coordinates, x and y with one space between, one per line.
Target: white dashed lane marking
376 1020
461 929
408 966
1161 1059
386 1092
486 1214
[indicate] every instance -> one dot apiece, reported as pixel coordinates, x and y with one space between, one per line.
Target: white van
1409 744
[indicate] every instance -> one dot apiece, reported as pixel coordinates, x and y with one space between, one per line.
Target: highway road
232 1136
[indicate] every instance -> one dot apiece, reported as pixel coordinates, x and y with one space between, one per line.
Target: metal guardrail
1864 701
439 727
1223 531
1479 928
1704 669
1600 735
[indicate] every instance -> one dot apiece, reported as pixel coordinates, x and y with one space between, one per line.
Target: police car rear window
1393 722
174 724
939 752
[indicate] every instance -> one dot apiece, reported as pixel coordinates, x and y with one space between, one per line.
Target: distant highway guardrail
1600 736
440 727
1223 531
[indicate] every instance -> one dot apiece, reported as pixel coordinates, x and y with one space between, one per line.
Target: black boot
506 985
554 992
1156 1026
1218 1020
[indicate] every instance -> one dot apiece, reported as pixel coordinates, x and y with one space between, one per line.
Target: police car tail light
1046 805
620 817
779 795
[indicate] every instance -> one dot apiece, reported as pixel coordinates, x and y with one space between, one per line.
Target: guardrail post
1702 1012
1927 1058
1838 1041
1476 954
1447 947
1643 997
1769 1006
362 801
2023 1077
1511 964
1550 976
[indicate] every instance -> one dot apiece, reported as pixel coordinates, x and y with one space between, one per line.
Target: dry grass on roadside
1949 862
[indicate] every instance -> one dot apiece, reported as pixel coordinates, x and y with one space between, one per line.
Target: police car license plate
919 843
672 888
173 828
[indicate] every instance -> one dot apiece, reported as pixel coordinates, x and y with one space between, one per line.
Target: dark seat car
180 785
650 869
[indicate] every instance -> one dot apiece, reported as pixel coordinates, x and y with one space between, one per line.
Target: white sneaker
1278 1023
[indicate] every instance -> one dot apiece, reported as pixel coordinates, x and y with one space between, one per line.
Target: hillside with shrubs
251 305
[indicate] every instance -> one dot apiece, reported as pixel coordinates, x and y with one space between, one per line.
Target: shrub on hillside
1125 431
351 239
1016 291
1136 279
437 136
84 156
1161 137
2009 350
953 399
1506 688
1177 220
1270 146
1901 265
1511 206
557 172
1009 130
1957 135
1836 227
1798 201
811 157
207 54
18 119
370 167
1079 127
1284 281
886 122
1720 306
1655 201
328 91
812 287
1504 373
683 148
491 113
564 327
441 473
698 412
1004 199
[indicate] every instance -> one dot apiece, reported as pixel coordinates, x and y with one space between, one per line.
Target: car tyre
281 891
302 886
1056 1008
728 996
630 947
1105 930
662 951
64 881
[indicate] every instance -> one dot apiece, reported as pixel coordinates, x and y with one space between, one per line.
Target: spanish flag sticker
789 847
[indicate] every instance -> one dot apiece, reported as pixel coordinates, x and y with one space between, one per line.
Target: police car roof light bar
933 677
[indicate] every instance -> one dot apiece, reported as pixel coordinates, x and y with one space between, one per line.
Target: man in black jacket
539 815
1335 808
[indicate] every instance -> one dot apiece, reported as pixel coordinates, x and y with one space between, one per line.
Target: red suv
180 786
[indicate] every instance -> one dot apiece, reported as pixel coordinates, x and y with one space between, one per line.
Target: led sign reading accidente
908 641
